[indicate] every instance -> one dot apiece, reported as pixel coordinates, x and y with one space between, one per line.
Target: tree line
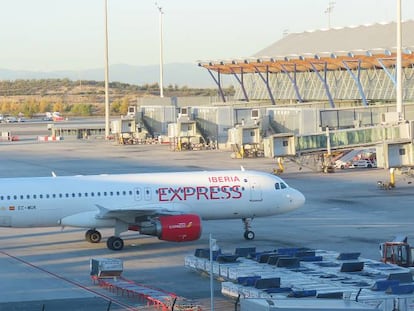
82 98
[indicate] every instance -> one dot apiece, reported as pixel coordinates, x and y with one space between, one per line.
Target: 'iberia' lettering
223 179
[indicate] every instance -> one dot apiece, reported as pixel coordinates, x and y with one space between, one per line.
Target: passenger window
99 194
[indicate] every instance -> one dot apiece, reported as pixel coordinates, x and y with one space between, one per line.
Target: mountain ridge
180 74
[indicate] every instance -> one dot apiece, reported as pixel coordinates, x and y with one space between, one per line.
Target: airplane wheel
114 243
249 235
93 236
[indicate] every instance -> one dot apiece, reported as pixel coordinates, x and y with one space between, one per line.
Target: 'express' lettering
224 192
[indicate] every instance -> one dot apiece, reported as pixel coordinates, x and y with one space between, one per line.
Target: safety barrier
152 297
49 138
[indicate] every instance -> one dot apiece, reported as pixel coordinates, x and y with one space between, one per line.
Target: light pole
329 11
161 52
399 64
106 74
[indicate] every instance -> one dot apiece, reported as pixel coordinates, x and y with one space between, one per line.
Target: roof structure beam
266 82
218 82
241 82
324 82
389 74
356 78
293 81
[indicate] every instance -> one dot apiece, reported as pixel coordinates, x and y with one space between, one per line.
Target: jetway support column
266 82
323 80
357 79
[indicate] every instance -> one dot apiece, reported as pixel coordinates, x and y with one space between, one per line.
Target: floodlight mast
161 12
328 11
106 74
399 65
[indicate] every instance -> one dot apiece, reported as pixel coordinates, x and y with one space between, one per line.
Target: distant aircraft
167 205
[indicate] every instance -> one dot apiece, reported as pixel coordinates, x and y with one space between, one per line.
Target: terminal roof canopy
365 47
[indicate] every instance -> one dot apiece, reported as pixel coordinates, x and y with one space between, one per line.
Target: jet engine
174 228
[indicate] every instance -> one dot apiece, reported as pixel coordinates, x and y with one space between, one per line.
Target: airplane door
255 189
138 194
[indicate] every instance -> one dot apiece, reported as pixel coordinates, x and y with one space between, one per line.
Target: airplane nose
298 199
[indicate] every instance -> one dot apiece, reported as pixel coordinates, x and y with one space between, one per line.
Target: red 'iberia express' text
213 192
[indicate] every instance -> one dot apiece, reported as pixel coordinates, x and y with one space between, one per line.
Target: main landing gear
93 236
248 234
114 243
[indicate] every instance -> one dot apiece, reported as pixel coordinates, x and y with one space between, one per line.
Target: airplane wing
141 211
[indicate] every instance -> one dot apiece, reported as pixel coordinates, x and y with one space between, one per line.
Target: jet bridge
393 142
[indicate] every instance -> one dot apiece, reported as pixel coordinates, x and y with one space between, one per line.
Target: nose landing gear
248 233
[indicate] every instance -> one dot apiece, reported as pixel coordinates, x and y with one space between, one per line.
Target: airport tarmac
344 211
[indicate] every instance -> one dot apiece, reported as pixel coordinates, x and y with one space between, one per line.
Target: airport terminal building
333 65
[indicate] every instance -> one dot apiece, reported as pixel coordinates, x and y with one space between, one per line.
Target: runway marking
107 298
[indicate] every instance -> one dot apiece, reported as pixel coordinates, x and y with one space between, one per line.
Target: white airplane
167 205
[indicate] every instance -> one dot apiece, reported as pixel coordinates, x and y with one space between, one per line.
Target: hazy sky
48 35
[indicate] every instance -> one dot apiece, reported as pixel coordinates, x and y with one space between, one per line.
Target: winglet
242 168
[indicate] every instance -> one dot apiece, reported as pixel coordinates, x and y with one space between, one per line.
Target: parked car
11 119
342 164
364 163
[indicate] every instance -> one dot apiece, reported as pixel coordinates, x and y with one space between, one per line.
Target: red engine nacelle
180 228
176 228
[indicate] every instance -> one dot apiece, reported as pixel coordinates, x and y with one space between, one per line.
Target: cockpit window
279 186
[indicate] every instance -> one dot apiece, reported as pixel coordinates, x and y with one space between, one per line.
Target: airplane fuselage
98 201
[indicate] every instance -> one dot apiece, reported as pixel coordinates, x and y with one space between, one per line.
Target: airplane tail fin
242 168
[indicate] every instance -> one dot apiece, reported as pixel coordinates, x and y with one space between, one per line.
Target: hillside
33 96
